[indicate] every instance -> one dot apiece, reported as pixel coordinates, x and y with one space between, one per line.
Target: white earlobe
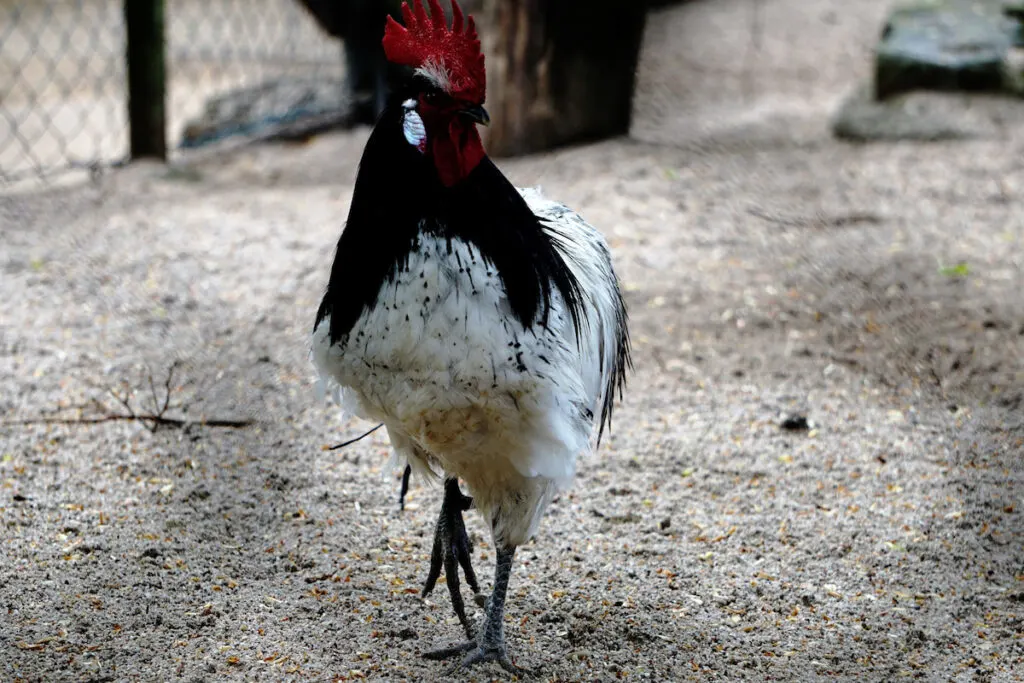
414 130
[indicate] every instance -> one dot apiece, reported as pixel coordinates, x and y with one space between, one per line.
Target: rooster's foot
477 655
489 646
452 549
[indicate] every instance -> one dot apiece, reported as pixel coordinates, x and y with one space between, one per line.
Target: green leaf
959 270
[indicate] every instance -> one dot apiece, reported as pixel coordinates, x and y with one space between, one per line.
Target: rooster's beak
477 115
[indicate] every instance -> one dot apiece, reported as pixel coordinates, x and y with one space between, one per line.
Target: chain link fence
234 67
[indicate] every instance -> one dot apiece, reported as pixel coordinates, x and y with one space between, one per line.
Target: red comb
426 39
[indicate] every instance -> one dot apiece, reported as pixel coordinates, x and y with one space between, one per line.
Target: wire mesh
61 86
234 67
246 67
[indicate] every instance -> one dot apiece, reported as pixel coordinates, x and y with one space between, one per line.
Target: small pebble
795 423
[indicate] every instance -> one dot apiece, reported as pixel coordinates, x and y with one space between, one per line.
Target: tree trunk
562 71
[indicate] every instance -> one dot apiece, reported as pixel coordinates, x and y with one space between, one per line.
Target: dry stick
352 441
124 400
152 392
167 385
150 420
155 419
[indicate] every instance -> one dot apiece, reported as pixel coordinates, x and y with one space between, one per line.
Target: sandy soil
770 272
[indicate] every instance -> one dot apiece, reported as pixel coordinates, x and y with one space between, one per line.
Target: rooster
482 324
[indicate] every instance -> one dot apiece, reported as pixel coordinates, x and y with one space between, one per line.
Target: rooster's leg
453 548
490 645
405 487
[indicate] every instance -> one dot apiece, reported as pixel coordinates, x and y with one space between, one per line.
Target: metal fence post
144 22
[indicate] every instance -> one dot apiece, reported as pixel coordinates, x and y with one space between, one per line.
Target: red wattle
456 155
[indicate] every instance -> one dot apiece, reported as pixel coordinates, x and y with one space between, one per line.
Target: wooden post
144 23
562 71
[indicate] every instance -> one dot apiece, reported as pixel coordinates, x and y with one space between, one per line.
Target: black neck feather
398 195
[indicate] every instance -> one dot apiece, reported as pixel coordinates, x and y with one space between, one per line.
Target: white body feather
460 384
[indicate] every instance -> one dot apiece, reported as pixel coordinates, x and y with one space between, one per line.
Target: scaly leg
490 645
453 548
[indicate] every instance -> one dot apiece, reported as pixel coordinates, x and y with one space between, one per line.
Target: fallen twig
152 419
352 441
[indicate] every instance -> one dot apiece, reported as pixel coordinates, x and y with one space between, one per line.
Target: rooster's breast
441 357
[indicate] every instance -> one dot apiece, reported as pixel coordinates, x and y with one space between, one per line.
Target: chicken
482 324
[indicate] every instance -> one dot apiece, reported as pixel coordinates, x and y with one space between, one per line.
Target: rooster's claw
452 549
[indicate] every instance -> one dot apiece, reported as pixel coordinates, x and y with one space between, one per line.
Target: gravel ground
815 474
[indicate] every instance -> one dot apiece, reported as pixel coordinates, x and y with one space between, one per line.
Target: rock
923 116
794 422
282 109
958 45
1014 9
407 633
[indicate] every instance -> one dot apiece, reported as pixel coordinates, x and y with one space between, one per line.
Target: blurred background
63 70
232 70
